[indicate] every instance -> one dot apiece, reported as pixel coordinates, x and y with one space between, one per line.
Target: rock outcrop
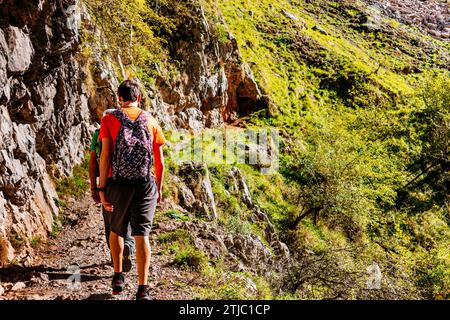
44 113
195 191
431 16
214 85
256 253
240 188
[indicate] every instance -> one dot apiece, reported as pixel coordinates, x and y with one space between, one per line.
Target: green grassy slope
362 105
350 99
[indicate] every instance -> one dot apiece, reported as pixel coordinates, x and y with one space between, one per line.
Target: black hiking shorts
134 203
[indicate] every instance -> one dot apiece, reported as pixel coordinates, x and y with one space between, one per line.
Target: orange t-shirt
110 126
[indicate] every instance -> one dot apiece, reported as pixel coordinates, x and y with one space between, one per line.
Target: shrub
191 258
35 241
177 215
180 235
224 285
77 184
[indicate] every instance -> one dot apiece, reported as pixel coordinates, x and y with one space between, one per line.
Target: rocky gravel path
81 246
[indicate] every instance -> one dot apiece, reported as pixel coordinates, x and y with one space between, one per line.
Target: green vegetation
363 109
76 184
70 187
130 29
187 256
180 235
191 258
365 139
137 35
16 240
56 228
234 286
177 215
36 241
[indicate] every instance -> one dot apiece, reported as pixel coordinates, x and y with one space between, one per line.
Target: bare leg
142 258
116 245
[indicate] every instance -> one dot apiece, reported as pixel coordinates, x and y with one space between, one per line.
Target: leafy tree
430 166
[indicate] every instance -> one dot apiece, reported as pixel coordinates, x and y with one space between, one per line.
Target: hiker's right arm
105 159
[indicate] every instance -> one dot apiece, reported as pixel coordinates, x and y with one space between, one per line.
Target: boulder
240 186
320 29
18 286
213 86
253 253
195 176
186 197
289 15
20 50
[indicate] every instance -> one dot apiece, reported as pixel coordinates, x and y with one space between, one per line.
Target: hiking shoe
118 283
144 294
126 259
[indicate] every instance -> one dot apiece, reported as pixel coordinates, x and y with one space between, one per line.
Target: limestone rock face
250 250
242 252
214 85
44 114
195 189
20 50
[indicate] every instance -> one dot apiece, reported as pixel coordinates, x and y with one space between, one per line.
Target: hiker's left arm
159 168
92 177
105 159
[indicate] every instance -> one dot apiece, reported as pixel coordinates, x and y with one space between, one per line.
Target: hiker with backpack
131 175
94 172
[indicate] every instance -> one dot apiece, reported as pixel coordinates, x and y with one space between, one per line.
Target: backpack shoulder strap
143 117
120 115
142 122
